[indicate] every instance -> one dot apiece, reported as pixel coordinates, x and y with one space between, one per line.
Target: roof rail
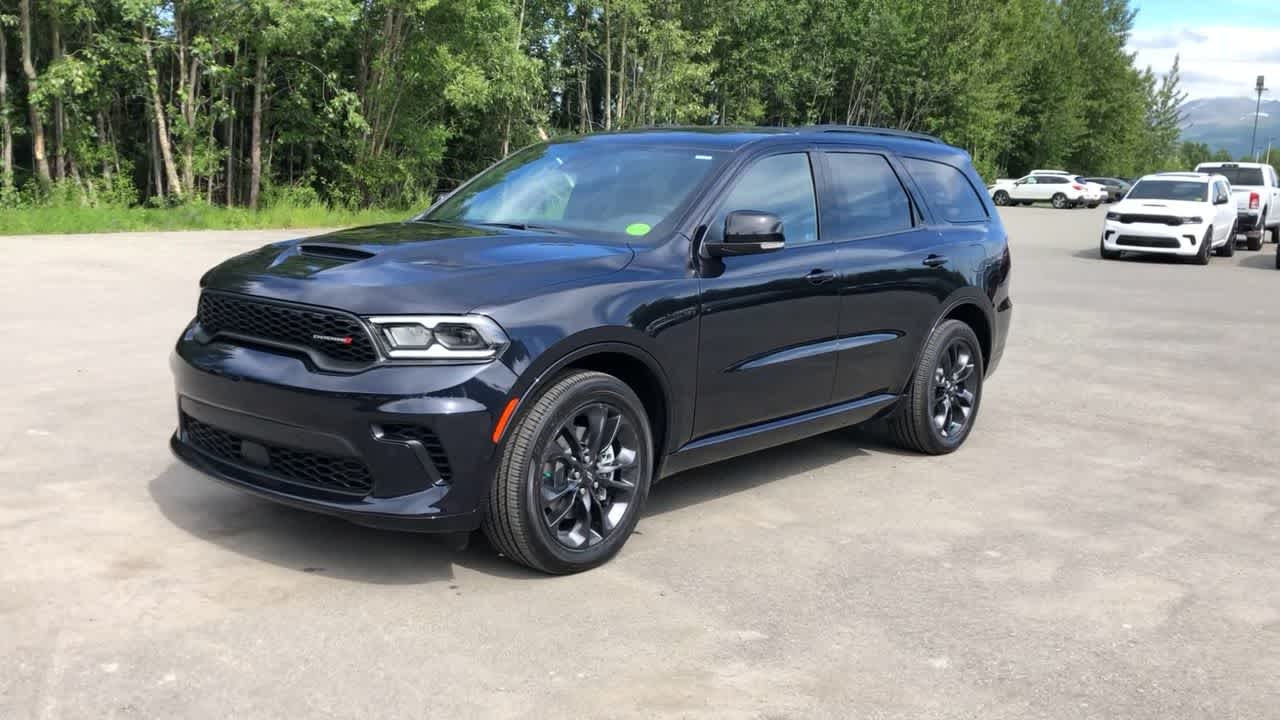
865 130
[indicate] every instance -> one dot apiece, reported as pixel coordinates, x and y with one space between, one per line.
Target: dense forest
381 102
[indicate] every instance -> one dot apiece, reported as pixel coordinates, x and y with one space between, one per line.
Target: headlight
1191 220
446 338
1113 216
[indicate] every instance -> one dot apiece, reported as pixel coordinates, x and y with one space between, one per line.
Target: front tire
575 471
941 402
1206 244
1060 201
1107 254
1001 198
1228 248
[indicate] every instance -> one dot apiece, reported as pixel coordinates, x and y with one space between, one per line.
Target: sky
1224 44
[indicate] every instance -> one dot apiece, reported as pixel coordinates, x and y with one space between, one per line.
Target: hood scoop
343 253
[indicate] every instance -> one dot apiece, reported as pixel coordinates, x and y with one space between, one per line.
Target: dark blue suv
592 314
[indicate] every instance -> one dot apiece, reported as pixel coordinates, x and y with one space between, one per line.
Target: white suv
1056 188
1187 214
1257 192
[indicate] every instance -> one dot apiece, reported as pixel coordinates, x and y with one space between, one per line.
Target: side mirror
748 232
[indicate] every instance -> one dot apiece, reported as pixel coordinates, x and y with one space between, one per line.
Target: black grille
334 335
404 433
338 474
1147 242
1152 219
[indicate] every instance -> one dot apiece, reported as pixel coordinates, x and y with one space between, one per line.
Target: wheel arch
628 362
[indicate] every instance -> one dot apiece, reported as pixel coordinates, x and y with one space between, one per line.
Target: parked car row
1194 214
1057 187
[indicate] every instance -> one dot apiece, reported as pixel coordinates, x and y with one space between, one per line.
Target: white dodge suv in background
1187 214
1257 198
1056 188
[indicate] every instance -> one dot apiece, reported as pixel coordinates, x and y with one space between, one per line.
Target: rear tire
544 473
941 402
1060 201
1254 242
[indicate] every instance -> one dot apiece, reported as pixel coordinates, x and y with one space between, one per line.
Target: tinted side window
866 196
948 191
782 185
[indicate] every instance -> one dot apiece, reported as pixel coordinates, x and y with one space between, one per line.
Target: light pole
1253 142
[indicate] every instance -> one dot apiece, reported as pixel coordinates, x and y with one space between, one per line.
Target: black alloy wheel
940 404
587 475
576 464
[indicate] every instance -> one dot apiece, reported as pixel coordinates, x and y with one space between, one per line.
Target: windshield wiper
518 226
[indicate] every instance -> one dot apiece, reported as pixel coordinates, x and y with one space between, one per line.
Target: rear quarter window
947 190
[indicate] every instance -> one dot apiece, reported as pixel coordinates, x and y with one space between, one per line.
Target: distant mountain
1228 123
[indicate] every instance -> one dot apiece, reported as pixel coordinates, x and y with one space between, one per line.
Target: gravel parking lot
1105 546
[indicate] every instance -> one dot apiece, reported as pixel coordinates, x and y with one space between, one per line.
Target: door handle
819 276
936 260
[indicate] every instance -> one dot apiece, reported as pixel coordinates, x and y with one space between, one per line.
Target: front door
766 320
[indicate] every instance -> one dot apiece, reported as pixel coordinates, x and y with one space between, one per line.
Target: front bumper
337 443
1153 238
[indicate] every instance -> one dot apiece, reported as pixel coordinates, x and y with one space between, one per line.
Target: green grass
195 216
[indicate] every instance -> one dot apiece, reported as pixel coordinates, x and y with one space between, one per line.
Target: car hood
1160 207
416 267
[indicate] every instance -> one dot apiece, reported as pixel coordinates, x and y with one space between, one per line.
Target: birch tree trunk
37 123
162 126
6 128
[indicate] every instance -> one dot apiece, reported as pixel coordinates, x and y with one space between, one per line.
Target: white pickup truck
1256 188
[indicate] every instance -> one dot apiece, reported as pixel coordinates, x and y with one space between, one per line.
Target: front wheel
1228 248
941 402
575 471
1107 254
1060 201
1206 244
1001 198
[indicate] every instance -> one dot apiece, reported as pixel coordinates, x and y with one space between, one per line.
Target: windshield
1188 190
581 186
1238 175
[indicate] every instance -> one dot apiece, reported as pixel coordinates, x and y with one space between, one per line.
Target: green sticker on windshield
638 229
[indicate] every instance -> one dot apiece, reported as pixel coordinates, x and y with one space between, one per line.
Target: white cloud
1217 61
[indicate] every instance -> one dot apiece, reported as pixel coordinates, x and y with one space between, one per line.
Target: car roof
1196 176
1227 164
732 139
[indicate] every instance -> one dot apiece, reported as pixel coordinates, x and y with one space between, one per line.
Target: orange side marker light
503 419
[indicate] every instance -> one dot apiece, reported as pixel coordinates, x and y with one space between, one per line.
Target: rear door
894 271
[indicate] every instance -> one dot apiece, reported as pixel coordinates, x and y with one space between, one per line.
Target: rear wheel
1255 239
1001 198
941 402
574 475
1060 201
